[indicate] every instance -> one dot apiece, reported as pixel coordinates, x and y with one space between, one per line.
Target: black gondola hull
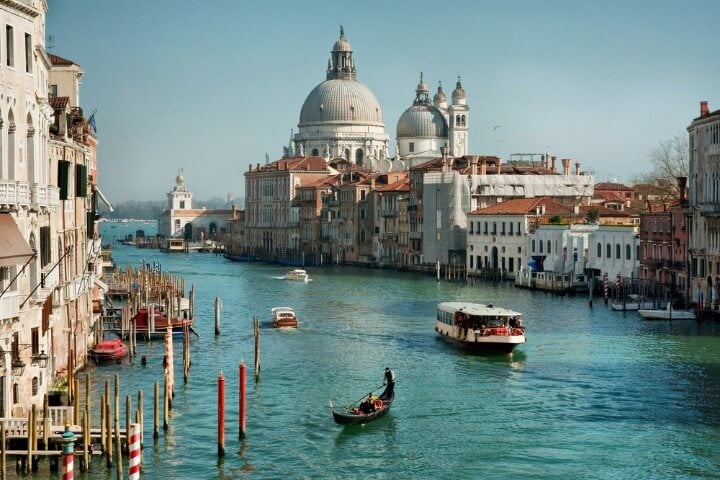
350 418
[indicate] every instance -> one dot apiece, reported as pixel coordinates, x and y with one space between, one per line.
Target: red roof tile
399 186
56 60
59 103
524 206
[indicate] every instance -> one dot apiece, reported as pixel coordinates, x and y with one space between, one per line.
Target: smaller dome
422 86
439 96
422 121
458 93
342 45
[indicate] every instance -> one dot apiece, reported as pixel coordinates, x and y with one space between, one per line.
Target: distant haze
210 87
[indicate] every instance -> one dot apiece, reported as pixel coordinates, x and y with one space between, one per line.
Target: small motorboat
369 409
667 314
283 317
297 274
108 351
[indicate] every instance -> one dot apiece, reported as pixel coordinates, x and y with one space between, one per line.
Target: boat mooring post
243 399
68 453
156 413
166 403
221 415
256 334
102 423
218 306
118 449
128 415
134 452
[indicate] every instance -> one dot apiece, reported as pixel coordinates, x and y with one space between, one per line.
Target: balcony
9 305
76 287
14 193
389 213
50 279
44 196
415 235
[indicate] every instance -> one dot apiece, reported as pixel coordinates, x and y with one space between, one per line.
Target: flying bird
496 127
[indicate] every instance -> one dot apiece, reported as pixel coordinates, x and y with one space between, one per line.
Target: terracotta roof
328 181
608 196
56 60
204 211
612 186
711 114
399 186
312 163
524 206
607 212
59 103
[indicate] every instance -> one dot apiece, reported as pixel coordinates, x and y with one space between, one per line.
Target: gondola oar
365 396
193 331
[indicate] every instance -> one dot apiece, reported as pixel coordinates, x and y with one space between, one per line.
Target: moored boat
297 274
667 314
283 317
371 408
108 351
156 325
480 327
633 303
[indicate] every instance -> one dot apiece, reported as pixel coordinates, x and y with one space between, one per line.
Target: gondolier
389 381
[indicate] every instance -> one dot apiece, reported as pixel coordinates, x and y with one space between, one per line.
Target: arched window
617 251
30 150
548 247
315 152
35 384
359 155
533 245
599 250
608 251
12 172
362 235
541 246
628 252
362 214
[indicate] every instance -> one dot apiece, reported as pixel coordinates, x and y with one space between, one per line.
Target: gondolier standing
389 381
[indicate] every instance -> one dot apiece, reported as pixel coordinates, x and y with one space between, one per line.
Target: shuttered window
64 178
80 181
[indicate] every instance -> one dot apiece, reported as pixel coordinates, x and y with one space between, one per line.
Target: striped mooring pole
68 453
134 452
605 286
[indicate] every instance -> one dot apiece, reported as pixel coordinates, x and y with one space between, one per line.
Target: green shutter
80 181
63 178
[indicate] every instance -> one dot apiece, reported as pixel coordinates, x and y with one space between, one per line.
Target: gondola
352 416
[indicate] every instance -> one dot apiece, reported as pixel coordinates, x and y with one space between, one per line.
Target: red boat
108 351
158 325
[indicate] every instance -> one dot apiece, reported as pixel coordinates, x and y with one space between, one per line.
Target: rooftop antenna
50 42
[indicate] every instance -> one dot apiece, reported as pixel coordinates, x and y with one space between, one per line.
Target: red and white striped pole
134 448
68 453
605 286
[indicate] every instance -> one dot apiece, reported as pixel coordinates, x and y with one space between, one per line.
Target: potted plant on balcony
57 393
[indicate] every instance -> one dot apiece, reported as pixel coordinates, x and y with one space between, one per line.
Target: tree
670 160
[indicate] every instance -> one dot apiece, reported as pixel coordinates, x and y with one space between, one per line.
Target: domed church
341 117
426 127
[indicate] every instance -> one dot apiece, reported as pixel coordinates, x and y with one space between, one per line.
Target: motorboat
369 409
108 351
667 314
283 317
480 327
297 274
633 303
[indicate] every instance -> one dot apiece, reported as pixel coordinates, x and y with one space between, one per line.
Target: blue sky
211 86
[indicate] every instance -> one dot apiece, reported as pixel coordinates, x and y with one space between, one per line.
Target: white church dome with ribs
341 101
422 121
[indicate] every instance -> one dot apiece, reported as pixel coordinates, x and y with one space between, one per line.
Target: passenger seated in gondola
368 405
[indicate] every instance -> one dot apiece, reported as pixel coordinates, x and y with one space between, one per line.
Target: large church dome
341 100
422 121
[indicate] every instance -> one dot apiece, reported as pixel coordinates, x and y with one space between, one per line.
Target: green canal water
593 393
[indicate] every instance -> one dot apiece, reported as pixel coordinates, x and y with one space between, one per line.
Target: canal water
592 394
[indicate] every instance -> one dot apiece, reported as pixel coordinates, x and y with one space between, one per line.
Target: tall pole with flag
91 120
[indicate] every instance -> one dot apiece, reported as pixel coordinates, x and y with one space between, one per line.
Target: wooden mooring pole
156 413
218 307
243 400
221 415
256 334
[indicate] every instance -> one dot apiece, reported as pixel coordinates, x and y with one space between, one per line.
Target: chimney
577 168
576 209
542 209
566 166
234 210
473 165
546 161
444 152
257 167
682 182
554 160
499 163
372 183
704 110
483 167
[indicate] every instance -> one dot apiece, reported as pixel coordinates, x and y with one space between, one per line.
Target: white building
497 236
704 142
614 249
181 220
29 209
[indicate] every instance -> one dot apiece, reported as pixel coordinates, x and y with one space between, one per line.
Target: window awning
103 198
102 285
14 250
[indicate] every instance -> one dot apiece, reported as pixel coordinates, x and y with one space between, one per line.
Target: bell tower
458 116
180 198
